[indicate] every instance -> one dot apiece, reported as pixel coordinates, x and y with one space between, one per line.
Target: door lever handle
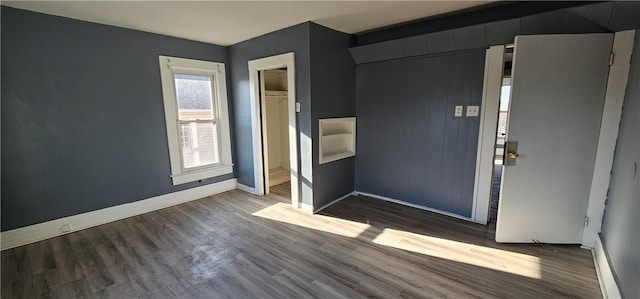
513 155
511 150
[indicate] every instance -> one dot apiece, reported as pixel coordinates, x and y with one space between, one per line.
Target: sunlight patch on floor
476 255
285 213
481 256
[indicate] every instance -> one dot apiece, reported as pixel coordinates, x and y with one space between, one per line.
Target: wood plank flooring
237 245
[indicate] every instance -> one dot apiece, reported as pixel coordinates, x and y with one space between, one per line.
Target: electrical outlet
65 228
472 111
458 112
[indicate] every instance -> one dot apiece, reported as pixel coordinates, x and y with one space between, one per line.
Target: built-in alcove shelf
337 138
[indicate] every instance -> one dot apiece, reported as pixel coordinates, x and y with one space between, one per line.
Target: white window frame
174 65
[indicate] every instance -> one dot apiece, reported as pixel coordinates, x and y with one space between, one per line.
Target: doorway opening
503 116
274 127
275 133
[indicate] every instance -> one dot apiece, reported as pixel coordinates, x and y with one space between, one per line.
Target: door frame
609 127
255 66
493 73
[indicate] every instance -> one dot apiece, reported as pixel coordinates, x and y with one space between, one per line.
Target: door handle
511 148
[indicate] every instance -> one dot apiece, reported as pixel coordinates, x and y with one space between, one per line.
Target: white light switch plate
458 112
297 106
472 111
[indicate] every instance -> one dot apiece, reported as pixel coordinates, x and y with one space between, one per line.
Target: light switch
297 106
472 111
458 112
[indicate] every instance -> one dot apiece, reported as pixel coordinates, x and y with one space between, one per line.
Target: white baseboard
607 281
246 188
307 208
414 205
334 201
41 231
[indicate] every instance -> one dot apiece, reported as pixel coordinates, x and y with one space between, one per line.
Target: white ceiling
228 22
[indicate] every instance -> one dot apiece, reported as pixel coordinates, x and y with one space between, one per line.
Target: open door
557 94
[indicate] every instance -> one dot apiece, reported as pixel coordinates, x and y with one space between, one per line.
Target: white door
557 97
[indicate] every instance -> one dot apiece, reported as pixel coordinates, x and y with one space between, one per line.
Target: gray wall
593 18
82 116
621 225
292 39
333 95
410 146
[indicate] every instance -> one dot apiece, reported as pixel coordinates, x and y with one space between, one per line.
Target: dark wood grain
237 245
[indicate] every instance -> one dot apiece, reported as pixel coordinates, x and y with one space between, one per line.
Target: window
195 107
505 93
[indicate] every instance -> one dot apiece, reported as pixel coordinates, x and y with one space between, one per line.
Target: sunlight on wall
460 252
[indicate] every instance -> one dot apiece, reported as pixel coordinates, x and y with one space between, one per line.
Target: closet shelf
275 93
338 156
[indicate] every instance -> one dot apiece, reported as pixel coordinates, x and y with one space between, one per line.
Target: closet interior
275 115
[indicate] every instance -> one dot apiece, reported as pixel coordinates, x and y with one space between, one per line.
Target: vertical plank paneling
410 145
435 137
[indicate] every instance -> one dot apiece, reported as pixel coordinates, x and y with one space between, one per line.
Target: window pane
502 124
199 143
505 93
194 97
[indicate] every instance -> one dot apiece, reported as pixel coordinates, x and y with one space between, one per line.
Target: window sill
186 177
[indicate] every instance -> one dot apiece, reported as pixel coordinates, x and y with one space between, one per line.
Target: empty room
320 149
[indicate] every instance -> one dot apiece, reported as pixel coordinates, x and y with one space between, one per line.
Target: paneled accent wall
593 18
410 145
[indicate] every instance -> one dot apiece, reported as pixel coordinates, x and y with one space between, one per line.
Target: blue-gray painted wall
410 146
292 39
621 225
594 18
82 116
333 95
325 75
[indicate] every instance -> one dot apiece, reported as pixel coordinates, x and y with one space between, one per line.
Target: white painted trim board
493 73
274 62
404 203
609 128
607 281
45 230
247 189
334 201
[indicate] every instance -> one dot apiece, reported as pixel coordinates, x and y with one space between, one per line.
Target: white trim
216 71
246 188
307 208
335 201
493 73
609 127
608 284
41 231
274 62
414 205
264 135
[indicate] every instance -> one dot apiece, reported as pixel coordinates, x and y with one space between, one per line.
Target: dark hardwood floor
237 245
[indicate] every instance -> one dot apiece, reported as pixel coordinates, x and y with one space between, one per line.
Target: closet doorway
275 132
274 127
